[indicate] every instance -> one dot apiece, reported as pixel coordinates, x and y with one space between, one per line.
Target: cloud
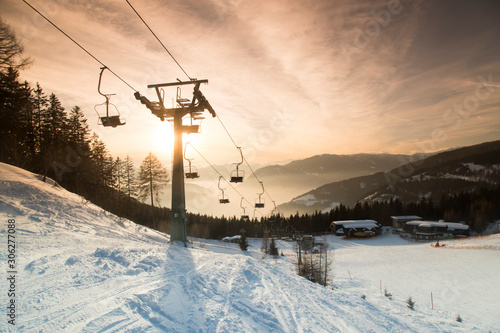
350 76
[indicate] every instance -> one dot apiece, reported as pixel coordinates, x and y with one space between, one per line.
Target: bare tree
316 264
11 50
152 177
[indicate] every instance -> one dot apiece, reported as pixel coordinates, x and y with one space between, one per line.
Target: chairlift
272 217
237 175
186 103
112 116
190 171
244 217
259 203
222 199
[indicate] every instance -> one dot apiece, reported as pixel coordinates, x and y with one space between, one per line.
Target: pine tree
410 304
243 242
15 108
152 177
130 180
119 176
40 101
100 174
273 249
54 134
78 129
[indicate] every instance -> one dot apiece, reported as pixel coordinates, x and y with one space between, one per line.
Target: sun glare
164 139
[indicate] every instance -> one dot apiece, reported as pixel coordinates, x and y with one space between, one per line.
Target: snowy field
81 269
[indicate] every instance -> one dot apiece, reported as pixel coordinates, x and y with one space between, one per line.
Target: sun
164 138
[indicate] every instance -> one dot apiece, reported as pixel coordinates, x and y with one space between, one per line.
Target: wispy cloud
351 76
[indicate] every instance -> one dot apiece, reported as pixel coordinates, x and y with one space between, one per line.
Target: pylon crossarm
177 83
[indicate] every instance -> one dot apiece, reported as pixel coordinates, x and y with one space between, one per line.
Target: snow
231 238
474 167
332 205
491 242
307 199
358 223
462 281
82 269
430 224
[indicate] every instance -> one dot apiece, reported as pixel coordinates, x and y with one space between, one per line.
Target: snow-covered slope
81 269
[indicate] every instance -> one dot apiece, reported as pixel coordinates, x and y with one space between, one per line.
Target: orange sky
289 79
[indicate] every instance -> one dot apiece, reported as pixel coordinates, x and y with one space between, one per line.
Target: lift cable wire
225 129
248 164
74 41
217 115
158 39
265 191
215 169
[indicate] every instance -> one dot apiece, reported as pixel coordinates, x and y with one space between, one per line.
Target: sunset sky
289 79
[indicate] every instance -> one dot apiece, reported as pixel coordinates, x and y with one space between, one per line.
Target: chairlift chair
190 171
222 199
186 103
111 117
237 175
244 217
259 202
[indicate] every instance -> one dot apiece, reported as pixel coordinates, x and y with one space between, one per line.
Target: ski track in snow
81 269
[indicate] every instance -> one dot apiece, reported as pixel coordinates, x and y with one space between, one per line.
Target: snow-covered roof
230 238
406 217
430 224
454 225
413 222
357 223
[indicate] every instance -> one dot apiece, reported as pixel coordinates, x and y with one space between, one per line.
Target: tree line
475 209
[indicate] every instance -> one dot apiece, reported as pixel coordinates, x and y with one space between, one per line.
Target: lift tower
194 108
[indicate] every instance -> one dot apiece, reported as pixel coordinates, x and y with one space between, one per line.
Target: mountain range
462 169
282 182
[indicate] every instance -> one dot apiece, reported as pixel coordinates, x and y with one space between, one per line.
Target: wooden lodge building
356 228
432 230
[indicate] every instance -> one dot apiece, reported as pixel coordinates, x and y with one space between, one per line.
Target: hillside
463 169
79 268
299 176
